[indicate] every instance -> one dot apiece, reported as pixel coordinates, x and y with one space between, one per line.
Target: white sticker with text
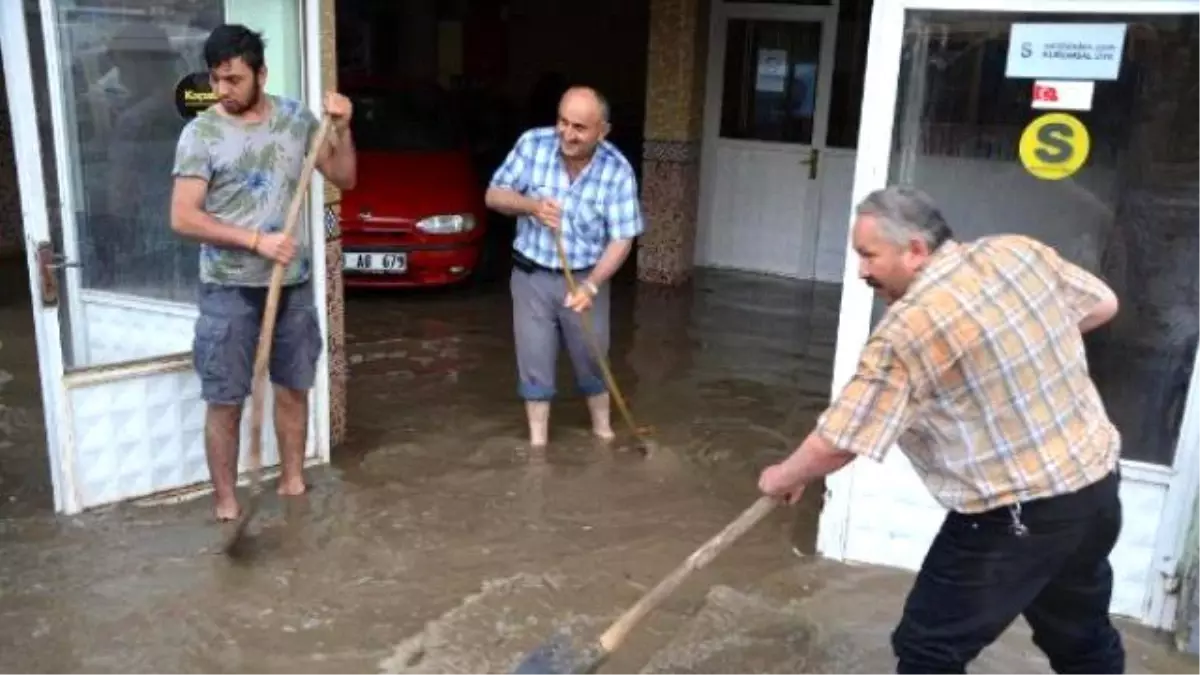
1063 95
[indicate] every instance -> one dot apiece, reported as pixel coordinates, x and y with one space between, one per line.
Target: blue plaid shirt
601 206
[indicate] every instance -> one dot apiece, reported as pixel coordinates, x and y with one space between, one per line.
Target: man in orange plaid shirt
977 371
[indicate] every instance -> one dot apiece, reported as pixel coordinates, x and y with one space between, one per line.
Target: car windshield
388 121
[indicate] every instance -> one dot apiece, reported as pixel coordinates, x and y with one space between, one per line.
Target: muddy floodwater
437 543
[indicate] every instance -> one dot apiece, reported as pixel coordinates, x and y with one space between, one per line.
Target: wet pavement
437 543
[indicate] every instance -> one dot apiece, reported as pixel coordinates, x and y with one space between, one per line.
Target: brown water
437 543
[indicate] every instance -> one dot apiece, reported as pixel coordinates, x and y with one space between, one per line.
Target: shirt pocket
587 219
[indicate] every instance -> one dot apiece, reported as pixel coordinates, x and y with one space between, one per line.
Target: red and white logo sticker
1063 95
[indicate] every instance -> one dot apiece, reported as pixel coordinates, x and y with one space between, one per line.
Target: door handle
47 263
813 161
59 261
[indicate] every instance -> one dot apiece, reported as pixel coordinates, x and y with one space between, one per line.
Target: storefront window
116 68
120 70
1123 204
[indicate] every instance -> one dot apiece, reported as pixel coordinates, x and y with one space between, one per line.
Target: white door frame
56 381
27 151
314 87
720 14
854 324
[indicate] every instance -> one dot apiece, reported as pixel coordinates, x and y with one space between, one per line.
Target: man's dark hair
230 41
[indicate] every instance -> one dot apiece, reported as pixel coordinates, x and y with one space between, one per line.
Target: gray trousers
539 318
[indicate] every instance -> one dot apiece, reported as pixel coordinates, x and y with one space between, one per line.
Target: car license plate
375 262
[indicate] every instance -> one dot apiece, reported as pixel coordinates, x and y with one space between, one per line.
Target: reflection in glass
1129 215
105 74
120 70
770 90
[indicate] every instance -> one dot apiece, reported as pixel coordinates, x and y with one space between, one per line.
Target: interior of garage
956 110
733 365
500 66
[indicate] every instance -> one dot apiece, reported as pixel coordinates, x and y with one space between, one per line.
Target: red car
416 217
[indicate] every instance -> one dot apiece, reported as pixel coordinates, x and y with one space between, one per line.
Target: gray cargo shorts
227 339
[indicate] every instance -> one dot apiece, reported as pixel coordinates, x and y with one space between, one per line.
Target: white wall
279 22
837 185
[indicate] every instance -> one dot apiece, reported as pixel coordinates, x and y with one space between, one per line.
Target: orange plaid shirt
979 375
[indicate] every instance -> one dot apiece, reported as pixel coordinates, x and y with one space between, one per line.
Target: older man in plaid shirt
978 372
568 178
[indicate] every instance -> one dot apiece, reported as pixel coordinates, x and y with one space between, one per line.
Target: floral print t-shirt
252 169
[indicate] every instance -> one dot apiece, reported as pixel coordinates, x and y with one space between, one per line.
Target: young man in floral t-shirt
237 166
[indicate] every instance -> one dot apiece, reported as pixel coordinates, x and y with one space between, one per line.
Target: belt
529 267
1078 504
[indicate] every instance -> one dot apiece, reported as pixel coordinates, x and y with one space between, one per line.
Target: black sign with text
193 95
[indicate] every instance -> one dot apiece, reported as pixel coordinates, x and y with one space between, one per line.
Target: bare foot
538 416
227 511
291 487
598 411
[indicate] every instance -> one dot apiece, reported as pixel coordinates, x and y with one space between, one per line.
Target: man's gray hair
605 111
904 212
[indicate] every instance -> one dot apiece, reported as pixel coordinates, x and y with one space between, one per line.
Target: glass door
770 74
104 85
1074 123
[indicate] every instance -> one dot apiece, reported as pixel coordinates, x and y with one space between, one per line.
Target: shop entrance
113 289
1074 123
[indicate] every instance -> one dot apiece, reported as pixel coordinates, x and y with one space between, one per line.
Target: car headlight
454 224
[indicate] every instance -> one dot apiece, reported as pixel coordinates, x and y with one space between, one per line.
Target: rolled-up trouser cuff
535 392
591 386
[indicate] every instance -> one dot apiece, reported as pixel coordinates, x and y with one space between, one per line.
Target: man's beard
240 108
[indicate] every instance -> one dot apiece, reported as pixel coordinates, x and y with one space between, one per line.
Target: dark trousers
980 574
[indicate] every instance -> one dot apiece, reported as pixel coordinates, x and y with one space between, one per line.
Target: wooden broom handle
267 333
704 555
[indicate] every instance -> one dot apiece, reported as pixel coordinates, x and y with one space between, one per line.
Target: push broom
558 655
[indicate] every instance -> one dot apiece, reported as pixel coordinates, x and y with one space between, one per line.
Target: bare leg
291 428
538 413
221 435
598 406
586 351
